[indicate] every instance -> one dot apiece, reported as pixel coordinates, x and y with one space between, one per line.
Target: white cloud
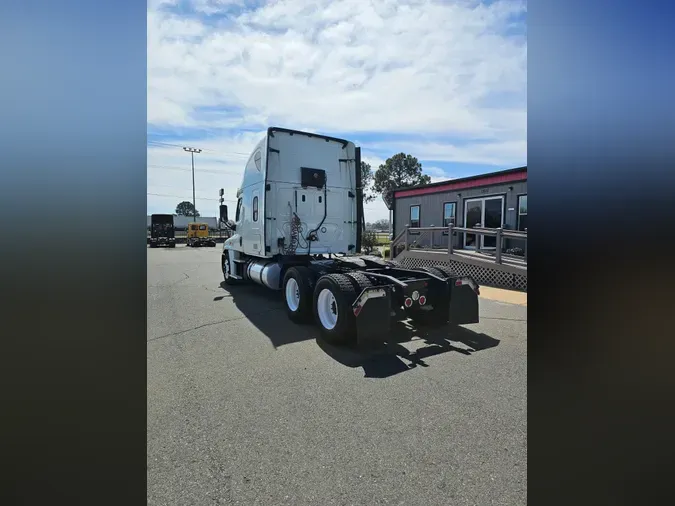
437 174
505 154
428 68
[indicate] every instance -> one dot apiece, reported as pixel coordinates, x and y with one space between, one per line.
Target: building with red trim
497 199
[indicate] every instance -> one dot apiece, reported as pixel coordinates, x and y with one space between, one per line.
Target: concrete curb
501 295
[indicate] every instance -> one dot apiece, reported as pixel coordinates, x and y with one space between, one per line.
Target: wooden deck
510 263
510 272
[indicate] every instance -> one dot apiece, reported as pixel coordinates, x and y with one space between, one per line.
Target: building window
202 227
449 213
414 216
255 208
522 212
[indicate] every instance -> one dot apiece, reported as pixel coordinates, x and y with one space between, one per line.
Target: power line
167 144
183 197
157 143
154 185
226 200
177 187
208 171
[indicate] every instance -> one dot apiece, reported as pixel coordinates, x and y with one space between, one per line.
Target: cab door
253 240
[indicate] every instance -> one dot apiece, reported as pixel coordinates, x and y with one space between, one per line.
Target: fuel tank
264 272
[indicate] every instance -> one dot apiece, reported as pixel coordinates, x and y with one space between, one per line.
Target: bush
369 242
516 251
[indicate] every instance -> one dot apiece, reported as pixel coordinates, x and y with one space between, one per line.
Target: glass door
485 212
492 218
473 213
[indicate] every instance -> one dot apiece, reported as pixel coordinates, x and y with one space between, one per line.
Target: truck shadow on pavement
266 311
392 357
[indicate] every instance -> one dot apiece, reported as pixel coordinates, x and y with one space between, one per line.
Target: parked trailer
162 232
297 230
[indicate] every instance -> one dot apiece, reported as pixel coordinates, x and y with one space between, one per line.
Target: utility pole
192 152
220 225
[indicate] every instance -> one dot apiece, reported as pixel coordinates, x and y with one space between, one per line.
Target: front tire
333 298
226 271
297 292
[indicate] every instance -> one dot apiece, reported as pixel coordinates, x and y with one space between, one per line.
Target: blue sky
442 80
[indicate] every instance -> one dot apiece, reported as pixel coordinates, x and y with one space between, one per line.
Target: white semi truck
297 229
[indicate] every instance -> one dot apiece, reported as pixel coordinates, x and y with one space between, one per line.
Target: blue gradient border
600 155
601 151
73 164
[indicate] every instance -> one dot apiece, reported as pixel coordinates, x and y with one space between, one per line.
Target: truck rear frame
354 298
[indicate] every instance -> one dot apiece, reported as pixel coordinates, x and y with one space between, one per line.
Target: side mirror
223 213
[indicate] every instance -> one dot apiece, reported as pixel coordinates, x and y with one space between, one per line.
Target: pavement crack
503 319
171 284
227 320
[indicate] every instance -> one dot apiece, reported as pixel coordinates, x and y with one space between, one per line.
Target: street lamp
192 152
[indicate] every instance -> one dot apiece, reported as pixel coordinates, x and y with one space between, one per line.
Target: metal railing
500 234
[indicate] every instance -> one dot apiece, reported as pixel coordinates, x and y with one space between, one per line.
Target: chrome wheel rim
292 294
327 309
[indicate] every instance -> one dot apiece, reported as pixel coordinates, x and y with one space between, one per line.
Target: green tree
366 182
186 208
398 171
382 224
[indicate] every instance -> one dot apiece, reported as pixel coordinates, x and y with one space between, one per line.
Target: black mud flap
463 302
372 310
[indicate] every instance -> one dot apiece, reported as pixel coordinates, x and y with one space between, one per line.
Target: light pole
192 152
220 226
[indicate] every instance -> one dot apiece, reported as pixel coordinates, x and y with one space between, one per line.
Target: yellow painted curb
509 296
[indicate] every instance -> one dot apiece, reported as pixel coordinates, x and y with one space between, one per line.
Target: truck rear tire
360 281
333 298
297 293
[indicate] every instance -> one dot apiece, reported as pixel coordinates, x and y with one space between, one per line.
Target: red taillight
423 300
408 302
357 310
458 282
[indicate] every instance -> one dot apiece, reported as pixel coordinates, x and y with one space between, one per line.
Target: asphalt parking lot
245 407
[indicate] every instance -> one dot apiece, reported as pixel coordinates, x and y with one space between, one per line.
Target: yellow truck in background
198 235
